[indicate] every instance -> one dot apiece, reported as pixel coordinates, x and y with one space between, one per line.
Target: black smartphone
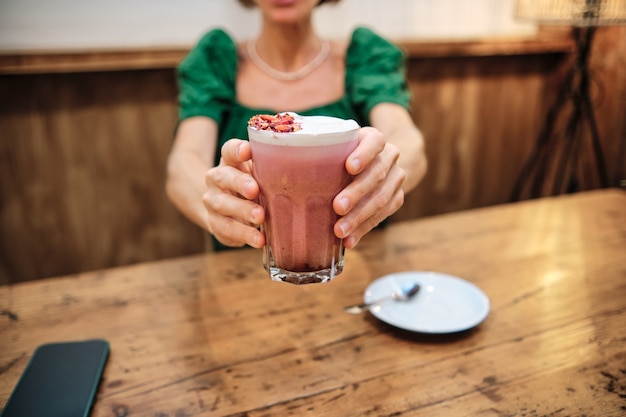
60 380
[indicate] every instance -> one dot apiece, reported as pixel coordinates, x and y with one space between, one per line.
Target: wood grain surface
211 335
82 182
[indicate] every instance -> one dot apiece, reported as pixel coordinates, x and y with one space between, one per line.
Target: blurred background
36 24
88 110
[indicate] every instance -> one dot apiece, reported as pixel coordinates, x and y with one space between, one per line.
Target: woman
288 67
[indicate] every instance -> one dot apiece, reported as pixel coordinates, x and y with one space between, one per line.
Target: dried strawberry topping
280 123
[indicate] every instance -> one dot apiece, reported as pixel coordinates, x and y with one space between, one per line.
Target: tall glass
299 174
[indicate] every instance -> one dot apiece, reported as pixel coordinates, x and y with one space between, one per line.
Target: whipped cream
314 131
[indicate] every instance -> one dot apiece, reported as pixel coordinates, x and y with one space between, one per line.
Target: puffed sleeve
375 72
206 77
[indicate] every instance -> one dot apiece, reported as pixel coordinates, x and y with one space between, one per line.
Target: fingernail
255 215
246 187
356 164
344 228
344 203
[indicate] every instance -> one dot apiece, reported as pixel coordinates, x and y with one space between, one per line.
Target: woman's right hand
231 198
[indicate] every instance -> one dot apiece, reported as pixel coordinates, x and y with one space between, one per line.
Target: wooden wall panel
608 74
82 171
479 117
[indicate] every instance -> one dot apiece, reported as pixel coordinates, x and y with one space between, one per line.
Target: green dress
375 73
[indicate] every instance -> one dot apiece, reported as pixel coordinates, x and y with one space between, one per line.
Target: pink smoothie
298 185
299 174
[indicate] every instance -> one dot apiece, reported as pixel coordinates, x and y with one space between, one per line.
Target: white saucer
444 304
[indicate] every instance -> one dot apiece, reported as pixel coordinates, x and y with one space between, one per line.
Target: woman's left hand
376 191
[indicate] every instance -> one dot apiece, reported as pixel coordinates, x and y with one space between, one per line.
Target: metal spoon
404 295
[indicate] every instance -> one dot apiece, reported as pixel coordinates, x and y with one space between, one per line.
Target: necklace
288 75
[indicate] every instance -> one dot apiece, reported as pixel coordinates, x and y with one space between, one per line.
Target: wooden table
211 335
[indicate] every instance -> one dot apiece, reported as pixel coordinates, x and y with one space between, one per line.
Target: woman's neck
288 48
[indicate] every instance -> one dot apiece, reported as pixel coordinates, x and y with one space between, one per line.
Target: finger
371 143
237 153
234 221
366 182
373 208
232 233
227 205
231 179
353 239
